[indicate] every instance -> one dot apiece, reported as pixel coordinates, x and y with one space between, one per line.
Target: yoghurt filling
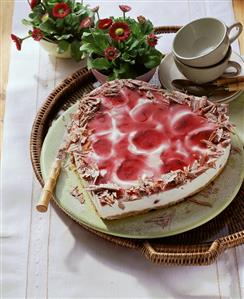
138 147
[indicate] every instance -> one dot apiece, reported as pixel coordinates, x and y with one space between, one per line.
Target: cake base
163 199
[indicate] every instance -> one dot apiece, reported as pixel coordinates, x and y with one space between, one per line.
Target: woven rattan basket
200 246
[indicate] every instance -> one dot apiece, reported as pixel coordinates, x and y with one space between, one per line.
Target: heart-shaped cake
138 147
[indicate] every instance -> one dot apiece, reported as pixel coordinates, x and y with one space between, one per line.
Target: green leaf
36 21
146 27
48 26
63 37
134 45
31 15
89 63
97 41
87 34
75 50
38 10
113 76
68 19
91 49
26 22
127 70
71 3
124 70
63 46
135 28
99 64
60 23
127 58
152 62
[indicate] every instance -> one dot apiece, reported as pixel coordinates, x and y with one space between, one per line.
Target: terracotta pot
51 48
103 78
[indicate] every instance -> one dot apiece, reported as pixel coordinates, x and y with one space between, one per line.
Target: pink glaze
133 136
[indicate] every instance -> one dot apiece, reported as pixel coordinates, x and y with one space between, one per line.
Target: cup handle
239 27
237 71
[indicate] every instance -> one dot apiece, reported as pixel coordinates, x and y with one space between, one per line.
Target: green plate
155 224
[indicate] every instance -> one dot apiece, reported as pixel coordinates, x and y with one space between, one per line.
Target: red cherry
129 169
115 101
173 160
102 147
121 147
199 136
173 164
148 139
143 112
101 122
132 96
161 113
187 123
125 123
108 167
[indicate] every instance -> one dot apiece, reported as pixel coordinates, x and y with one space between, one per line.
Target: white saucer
167 72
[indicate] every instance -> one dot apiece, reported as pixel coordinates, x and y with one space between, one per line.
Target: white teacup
204 42
207 74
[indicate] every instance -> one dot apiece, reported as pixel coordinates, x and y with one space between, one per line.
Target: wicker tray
200 246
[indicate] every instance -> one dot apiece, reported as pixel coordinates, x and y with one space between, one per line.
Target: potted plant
58 25
121 47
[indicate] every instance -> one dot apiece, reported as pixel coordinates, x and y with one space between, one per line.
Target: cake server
224 81
205 89
50 184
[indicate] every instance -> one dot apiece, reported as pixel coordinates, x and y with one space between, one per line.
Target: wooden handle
225 81
48 188
235 86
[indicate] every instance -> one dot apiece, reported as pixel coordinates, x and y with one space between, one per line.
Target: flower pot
103 78
51 48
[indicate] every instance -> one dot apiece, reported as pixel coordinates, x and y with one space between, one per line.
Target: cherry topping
173 164
148 139
121 147
125 123
133 97
115 101
197 138
127 118
102 147
173 160
130 169
101 122
188 122
143 112
161 113
106 166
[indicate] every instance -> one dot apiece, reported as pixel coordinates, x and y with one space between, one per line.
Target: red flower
125 8
37 34
86 23
104 23
120 31
111 53
33 3
17 41
61 10
152 40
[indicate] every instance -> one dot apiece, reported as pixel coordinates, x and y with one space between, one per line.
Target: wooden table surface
6 13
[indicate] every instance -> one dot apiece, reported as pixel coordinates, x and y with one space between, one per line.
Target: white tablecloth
48 255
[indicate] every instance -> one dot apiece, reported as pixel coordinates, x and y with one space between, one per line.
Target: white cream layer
166 197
